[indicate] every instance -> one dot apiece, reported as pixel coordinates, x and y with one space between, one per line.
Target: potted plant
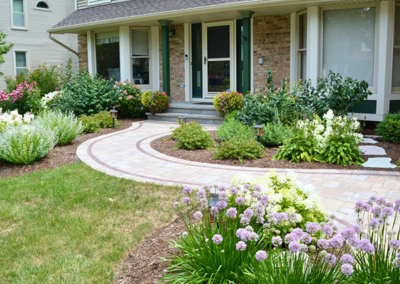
155 101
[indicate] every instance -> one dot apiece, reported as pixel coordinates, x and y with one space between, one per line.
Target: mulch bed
205 156
60 156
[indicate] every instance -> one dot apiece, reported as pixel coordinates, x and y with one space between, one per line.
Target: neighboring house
25 22
193 49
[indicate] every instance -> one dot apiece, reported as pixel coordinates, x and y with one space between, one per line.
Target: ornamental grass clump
66 125
23 144
191 136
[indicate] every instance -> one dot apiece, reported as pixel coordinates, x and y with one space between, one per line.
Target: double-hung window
349 43
302 46
141 56
18 14
21 62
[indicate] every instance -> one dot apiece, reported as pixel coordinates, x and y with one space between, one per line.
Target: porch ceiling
90 19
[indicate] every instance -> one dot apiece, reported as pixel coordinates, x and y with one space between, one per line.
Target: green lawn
74 224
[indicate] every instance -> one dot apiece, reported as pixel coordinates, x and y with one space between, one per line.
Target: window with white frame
302 46
140 56
107 55
18 14
21 62
42 5
396 52
349 43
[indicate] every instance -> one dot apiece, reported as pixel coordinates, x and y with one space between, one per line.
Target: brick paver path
128 154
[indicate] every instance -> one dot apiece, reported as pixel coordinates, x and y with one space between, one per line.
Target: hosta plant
66 125
341 150
24 144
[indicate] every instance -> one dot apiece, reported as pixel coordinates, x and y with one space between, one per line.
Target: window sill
20 29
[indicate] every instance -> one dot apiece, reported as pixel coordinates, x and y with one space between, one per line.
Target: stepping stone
373 136
369 141
379 163
373 150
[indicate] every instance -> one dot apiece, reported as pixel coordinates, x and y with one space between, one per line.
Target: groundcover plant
257 231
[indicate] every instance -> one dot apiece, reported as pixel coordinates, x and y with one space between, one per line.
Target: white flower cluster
282 189
49 97
334 125
14 118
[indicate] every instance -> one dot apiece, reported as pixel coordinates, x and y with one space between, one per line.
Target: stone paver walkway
128 154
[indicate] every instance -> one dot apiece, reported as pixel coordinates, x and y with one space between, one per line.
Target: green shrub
299 147
129 104
87 95
192 136
228 101
239 149
66 125
275 134
25 98
232 114
389 127
24 144
342 150
90 123
232 128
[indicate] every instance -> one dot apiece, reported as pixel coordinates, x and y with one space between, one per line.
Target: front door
218 54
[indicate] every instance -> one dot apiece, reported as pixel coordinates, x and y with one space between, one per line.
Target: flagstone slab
369 141
379 163
373 136
373 150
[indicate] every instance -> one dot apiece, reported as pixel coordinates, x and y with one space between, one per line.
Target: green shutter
197 62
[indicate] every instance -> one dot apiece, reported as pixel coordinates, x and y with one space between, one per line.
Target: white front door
218 58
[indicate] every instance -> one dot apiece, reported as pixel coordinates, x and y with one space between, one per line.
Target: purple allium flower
276 241
381 201
187 190
358 206
394 244
376 211
387 212
217 239
186 200
389 205
348 233
249 229
244 221
221 205
290 238
292 216
214 210
273 220
313 228
303 248
197 215
252 236
240 233
239 201
297 232
185 234
282 217
223 195
261 255
365 207
248 213
177 205
347 258
222 188
397 202
233 190
357 229
264 200
330 258
374 223
247 186
366 246
260 210
373 198
323 243
327 230
207 188
353 242
231 213
295 246
306 238
336 242
260 219
201 194
255 195
257 188
241 246
347 269
396 262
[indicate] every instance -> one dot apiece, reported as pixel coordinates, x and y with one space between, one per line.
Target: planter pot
153 110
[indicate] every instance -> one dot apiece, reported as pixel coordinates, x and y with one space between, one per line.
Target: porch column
124 53
165 55
246 16
91 49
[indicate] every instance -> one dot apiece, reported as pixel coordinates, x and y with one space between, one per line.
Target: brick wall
83 51
271 42
177 63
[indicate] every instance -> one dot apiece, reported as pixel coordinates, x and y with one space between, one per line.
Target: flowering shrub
158 99
228 101
24 98
48 99
14 118
129 104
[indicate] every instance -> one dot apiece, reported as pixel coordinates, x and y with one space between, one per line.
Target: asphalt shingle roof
133 8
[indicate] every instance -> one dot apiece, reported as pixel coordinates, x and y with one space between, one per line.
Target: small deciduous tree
4 48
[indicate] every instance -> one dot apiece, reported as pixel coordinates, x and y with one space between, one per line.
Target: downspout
63 45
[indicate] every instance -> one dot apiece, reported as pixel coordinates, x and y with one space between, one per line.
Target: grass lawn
74 224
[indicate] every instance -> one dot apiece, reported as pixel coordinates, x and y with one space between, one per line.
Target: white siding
84 3
35 39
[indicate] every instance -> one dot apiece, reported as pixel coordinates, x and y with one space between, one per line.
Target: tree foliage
4 48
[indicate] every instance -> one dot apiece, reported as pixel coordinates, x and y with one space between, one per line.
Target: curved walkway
128 154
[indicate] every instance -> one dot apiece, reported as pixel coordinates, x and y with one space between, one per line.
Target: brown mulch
205 156
62 155
143 264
